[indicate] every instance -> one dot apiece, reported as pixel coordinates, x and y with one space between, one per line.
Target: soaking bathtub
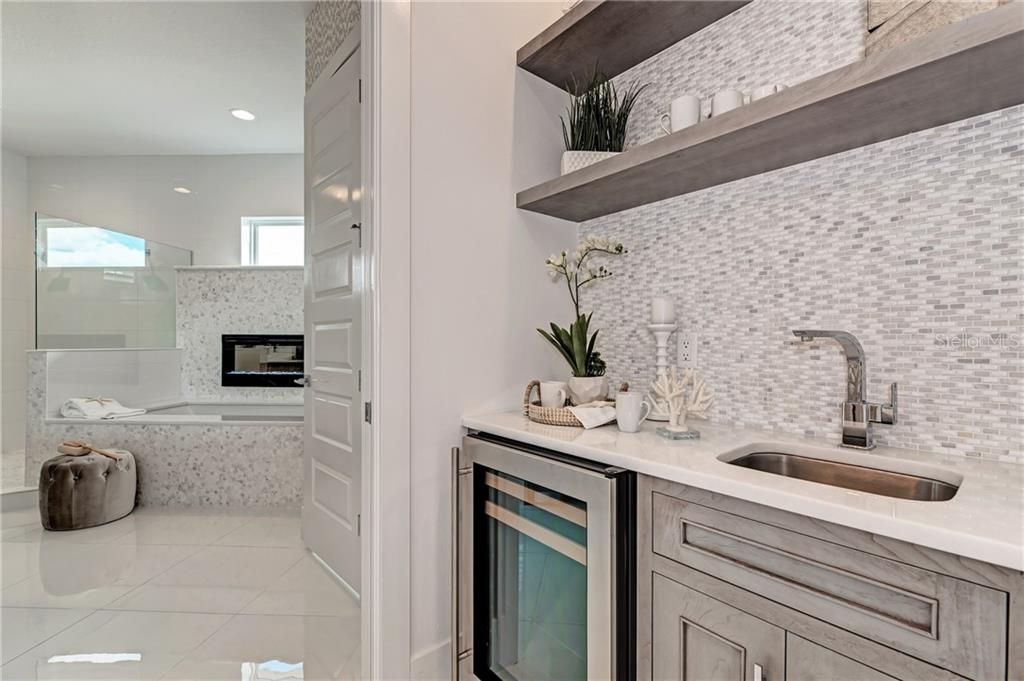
196 453
189 452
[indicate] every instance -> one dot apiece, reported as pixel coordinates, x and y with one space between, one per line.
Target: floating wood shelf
615 35
966 69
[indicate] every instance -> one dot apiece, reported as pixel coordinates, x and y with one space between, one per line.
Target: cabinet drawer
955 624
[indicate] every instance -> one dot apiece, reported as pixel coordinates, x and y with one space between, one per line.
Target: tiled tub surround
914 245
191 461
213 301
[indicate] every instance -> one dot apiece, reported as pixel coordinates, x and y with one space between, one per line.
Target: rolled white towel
96 408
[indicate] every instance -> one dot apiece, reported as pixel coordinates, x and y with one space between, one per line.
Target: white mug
766 91
631 409
684 112
726 100
553 393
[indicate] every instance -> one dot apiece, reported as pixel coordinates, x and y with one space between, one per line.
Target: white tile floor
167 594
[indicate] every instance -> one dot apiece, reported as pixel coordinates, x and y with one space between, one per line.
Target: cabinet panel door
697 638
806 661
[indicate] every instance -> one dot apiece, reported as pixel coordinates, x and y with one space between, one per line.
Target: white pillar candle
662 311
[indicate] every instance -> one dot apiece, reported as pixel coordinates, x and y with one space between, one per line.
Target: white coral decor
685 394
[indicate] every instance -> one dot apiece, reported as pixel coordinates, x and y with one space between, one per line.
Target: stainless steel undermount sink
900 485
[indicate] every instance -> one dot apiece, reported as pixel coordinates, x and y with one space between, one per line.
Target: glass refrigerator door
534 542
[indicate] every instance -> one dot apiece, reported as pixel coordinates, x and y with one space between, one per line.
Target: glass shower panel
99 288
157 298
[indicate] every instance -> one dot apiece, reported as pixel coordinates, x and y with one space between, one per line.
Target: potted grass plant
594 127
576 344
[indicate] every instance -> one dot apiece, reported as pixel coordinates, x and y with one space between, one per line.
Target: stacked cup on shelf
685 110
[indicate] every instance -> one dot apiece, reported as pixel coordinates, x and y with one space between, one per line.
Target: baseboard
19 500
433 663
335 576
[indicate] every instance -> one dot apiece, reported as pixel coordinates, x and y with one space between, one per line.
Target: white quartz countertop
984 521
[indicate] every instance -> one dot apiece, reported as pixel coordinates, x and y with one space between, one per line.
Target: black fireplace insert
262 360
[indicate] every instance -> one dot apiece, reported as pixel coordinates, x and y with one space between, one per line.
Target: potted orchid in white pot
576 344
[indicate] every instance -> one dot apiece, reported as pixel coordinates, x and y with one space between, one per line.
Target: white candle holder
662 333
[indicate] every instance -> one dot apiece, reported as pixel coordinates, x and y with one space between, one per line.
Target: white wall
17 313
481 130
134 194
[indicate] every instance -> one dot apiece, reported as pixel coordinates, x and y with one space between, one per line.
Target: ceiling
132 78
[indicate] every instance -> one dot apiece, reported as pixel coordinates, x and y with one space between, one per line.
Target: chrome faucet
858 413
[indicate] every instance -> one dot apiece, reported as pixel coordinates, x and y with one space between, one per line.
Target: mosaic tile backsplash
914 245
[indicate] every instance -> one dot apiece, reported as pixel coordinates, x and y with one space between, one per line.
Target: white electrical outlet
687 350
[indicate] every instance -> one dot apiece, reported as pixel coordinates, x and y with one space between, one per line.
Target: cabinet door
806 661
698 638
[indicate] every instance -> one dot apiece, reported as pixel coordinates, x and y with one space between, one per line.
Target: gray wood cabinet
697 638
883 600
724 584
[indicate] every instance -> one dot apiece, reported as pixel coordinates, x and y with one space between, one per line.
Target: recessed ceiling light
243 115
183 190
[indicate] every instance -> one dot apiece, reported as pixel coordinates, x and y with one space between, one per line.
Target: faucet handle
892 407
885 413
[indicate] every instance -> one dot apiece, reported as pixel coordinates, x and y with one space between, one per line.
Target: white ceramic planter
584 389
574 160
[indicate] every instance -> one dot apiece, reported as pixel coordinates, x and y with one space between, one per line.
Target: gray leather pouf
84 491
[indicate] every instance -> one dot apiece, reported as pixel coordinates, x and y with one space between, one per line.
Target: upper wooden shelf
965 69
615 35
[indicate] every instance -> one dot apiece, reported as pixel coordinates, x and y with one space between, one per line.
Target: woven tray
552 416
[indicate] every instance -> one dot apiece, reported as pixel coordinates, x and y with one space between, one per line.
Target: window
273 241
66 244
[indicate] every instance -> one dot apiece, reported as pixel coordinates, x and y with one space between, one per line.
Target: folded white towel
96 408
592 417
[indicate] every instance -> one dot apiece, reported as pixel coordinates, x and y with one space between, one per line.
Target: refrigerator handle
455 563
461 583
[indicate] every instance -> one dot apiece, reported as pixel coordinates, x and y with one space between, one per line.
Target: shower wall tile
914 245
17 308
217 301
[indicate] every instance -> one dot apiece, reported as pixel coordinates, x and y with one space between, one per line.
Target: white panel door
331 452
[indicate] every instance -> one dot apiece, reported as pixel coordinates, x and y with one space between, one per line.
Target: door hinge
368 412
359 524
359 380
359 226
360 90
